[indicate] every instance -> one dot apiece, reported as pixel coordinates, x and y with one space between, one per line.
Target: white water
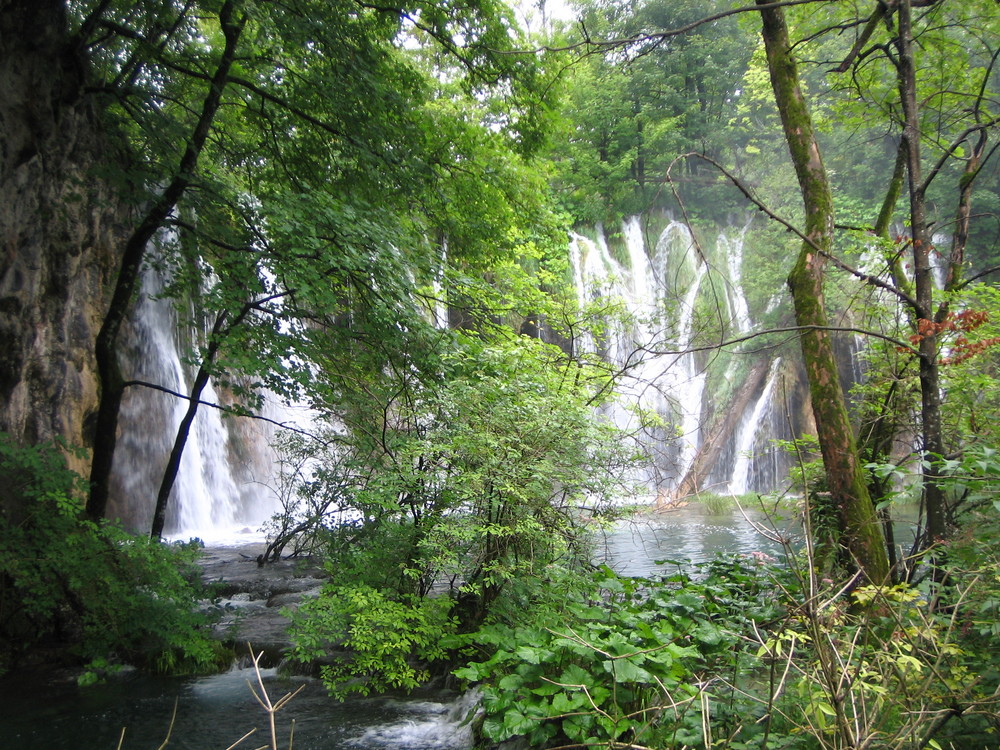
215 711
746 437
227 482
222 487
430 724
660 290
732 250
669 385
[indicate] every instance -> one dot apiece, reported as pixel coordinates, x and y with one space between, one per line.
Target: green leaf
625 670
530 654
568 702
510 682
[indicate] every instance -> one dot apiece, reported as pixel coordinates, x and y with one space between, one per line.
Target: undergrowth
90 592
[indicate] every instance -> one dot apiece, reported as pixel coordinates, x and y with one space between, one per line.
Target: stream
214 712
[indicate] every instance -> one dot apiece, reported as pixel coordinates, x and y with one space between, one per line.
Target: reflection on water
691 533
214 712
694 534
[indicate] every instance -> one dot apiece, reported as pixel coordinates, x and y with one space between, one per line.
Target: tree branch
867 278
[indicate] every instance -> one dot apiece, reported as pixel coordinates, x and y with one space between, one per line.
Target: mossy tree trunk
859 531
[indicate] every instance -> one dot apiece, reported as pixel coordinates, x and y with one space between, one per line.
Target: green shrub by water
91 592
745 655
625 662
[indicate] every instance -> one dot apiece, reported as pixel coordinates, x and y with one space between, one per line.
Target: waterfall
732 250
659 294
747 435
691 386
226 467
228 470
662 289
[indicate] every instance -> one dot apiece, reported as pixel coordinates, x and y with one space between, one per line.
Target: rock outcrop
61 222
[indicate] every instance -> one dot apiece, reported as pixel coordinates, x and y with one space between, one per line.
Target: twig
242 738
170 729
265 701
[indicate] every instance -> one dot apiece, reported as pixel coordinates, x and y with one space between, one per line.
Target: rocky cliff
60 226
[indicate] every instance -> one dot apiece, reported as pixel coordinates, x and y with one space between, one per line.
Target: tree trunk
176 453
859 529
220 330
923 282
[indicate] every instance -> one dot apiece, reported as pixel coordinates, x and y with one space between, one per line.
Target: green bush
370 640
91 591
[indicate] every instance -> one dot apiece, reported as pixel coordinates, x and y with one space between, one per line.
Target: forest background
326 184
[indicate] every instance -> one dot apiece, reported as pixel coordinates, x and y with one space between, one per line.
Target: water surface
214 712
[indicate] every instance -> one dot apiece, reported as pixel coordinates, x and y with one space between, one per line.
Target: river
214 712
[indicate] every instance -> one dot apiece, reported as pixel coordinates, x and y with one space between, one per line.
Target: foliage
469 480
622 660
895 664
744 654
474 478
105 594
316 165
970 384
379 641
630 111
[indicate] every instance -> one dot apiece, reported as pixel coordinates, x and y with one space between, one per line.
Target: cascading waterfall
226 467
692 386
748 434
670 385
661 292
732 251
228 470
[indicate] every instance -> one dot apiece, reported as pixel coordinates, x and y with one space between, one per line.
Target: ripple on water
214 712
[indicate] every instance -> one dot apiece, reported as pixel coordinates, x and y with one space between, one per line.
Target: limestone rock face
60 224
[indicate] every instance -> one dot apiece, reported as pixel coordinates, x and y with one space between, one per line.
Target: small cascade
732 250
221 487
642 271
747 436
428 724
691 386
938 261
597 275
659 293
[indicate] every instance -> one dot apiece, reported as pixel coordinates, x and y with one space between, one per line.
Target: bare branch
789 329
231 410
659 36
867 278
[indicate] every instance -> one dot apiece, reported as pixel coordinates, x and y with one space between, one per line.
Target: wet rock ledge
251 597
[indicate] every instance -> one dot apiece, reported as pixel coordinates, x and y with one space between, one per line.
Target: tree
454 493
233 117
943 106
861 534
930 67
231 23
630 110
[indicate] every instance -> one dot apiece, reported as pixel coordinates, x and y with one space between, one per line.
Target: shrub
371 640
625 662
91 590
